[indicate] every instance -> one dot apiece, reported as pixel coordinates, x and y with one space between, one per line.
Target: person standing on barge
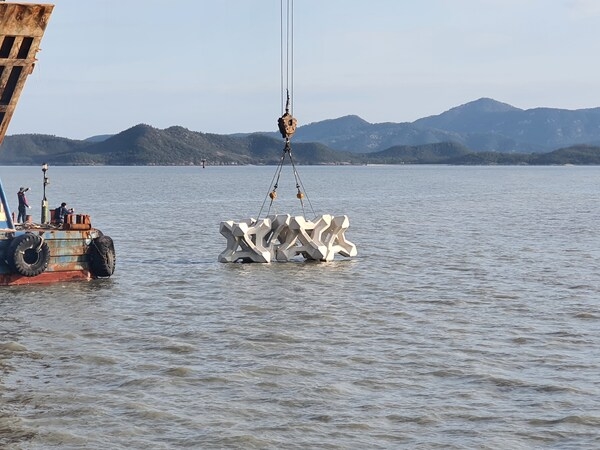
23 205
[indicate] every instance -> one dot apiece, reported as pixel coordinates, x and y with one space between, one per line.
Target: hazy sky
214 66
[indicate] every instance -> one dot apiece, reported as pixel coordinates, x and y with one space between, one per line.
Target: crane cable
287 51
287 123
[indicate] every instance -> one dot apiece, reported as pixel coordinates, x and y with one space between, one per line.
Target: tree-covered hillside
145 145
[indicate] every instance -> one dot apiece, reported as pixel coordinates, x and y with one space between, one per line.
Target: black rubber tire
26 256
102 257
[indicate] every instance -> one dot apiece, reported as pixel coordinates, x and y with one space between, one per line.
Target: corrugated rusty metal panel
70 249
22 26
67 266
68 259
66 250
66 235
62 247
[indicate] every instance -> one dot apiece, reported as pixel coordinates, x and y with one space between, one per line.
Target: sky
215 66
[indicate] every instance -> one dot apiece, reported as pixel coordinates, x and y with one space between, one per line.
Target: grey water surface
469 319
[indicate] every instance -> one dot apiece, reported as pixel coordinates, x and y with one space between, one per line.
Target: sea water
469 319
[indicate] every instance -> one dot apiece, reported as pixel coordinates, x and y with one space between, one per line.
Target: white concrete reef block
282 237
246 241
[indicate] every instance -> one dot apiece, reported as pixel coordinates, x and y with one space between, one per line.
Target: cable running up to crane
286 123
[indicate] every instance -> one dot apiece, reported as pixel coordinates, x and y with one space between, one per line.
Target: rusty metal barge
48 251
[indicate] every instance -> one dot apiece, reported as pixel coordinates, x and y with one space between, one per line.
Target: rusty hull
22 26
69 256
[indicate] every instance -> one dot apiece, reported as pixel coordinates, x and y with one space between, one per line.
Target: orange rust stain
45 278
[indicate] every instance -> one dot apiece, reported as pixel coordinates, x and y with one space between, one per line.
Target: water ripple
469 319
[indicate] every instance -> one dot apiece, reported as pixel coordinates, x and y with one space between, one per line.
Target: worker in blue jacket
61 212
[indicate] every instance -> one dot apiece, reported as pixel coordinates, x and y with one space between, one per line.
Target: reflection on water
468 320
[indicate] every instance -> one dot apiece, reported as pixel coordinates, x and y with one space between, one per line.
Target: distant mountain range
481 132
481 125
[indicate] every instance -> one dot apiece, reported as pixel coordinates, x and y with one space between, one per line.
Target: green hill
146 145
422 154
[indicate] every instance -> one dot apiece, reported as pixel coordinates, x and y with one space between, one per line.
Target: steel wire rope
290 64
287 105
273 186
299 185
286 46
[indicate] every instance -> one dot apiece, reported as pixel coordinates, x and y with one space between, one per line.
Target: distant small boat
44 252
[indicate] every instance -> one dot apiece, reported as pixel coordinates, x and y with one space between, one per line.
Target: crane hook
287 123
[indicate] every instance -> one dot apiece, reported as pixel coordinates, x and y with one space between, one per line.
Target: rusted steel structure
49 251
21 29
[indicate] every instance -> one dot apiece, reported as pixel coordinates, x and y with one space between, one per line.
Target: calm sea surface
469 319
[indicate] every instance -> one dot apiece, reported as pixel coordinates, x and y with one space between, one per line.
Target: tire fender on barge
28 255
102 257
